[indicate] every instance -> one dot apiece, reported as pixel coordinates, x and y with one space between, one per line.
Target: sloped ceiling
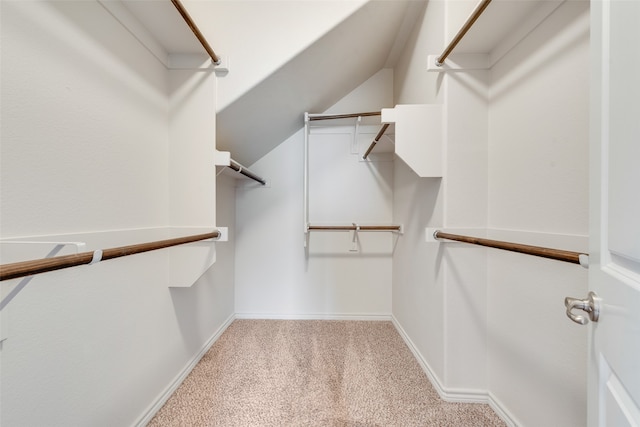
312 80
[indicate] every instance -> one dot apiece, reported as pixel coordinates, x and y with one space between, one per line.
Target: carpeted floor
313 373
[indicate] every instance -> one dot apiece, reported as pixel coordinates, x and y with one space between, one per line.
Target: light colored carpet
313 373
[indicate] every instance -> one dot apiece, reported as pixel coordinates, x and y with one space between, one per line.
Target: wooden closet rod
187 18
557 254
29 268
467 25
375 140
246 172
313 117
354 227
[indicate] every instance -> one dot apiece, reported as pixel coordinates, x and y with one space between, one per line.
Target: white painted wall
274 275
87 122
488 324
538 185
192 136
277 31
418 275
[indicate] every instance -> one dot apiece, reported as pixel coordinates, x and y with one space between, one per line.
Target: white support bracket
459 62
222 68
430 235
221 158
354 143
584 260
224 234
354 240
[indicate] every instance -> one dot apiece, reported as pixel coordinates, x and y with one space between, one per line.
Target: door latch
590 305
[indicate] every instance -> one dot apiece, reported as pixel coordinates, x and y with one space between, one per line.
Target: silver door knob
590 305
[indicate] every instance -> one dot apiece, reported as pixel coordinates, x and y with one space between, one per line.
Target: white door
614 270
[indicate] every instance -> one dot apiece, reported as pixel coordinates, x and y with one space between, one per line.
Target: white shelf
159 27
501 26
418 136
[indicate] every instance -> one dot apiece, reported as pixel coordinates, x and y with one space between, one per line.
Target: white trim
315 316
454 395
435 381
173 386
501 411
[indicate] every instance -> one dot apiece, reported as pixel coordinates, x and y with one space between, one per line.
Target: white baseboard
314 316
502 412
454 395
173 386
435 381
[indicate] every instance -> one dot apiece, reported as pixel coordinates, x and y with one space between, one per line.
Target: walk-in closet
319 213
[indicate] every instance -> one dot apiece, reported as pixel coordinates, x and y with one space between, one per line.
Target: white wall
86 137
486 324
439 301
538 194
268 27
418 275
275 276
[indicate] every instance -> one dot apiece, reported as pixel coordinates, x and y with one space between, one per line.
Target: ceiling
267 112
312 80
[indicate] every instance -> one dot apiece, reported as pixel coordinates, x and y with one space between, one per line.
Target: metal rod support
467 25
556 254
196 31
37 266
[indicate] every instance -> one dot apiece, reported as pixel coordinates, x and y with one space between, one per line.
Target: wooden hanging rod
246 172
354 228
375 140
37 266
313 117
196 31
467 25
557 254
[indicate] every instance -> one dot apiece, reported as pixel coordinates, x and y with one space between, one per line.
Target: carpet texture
313 373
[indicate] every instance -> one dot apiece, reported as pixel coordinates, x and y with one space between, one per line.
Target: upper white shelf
502 25
165 24
418 136
160 28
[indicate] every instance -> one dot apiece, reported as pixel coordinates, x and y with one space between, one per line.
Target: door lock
590 305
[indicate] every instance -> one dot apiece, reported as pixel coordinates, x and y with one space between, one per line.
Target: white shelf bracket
459 62
354 143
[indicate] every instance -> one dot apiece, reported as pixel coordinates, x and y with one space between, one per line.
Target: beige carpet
313 373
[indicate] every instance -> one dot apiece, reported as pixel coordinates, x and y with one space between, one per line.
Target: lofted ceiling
257 115
311 80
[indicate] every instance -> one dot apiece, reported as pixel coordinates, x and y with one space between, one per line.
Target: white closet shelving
418 136
501 26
